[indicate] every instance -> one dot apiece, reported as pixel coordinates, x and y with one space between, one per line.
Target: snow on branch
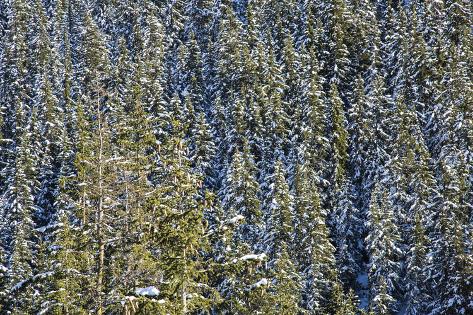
252 257
148 291
261 283
236 219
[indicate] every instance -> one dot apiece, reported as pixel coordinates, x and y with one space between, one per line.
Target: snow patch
259 257
363 288
236 219
262 282
18 285
148 291
48 227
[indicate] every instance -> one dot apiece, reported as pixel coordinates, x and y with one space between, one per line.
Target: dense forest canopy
236 157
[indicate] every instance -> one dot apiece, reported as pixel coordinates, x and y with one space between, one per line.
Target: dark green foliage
236 157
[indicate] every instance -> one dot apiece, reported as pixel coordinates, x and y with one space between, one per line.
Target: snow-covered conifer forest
236 157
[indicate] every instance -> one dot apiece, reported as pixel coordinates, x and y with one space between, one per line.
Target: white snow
236 219
21 283
259 257
47 227
262 282
363 288
18 285
148 291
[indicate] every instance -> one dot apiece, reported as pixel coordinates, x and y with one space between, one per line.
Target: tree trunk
101 243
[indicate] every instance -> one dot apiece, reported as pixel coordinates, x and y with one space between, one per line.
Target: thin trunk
184 290
101 242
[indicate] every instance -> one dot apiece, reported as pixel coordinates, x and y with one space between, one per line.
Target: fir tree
280 202
316 259
315 144
221 157
382 301
382 244
179 229
286 285
202 150
241 196
416 279
348 230
18 234
94 160
340 136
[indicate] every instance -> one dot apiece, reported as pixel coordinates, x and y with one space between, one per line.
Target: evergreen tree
18 234
416 289
348 230
133 262
340 136
382 244
229 47
382 301
202 149
94 163
179 229
221 156
343 303
315 143
413 192
19 160
449 249
315 257
69 260
362 144
241 196
286 285
337 19
280 202
276 114
380 108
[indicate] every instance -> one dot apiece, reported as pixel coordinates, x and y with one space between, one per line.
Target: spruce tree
281 205
382 301
315 146
20 159
347 223
449 249
241 196
362 144
94 162
179 229
340 136
384 254
135 147
18 234
221 157
286 285
315 258
416 288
